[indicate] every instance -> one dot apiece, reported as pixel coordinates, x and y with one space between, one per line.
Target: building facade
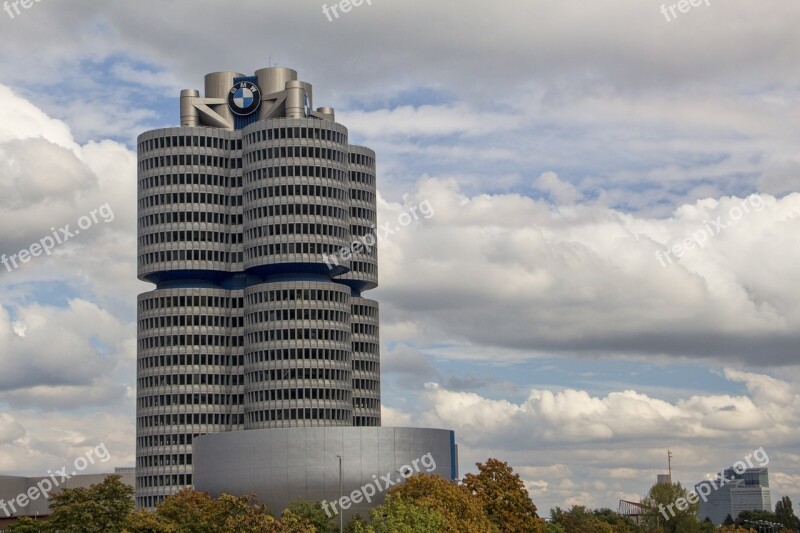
733 492
252 219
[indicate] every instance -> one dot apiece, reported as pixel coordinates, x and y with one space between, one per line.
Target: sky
606 268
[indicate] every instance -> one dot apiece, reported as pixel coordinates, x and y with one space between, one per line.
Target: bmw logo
244 98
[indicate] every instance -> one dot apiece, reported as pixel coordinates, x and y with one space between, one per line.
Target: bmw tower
258 363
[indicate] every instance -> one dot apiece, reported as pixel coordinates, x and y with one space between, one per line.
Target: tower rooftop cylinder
218 84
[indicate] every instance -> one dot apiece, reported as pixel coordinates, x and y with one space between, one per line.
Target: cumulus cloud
573 447
509 271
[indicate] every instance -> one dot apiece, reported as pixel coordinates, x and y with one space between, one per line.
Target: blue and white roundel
244 98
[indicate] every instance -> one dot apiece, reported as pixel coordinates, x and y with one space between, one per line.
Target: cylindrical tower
256 320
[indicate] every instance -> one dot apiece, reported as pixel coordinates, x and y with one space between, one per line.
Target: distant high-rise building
256 226
732 492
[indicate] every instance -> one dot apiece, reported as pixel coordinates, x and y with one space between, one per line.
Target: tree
27 525
190 511
291 523
395 515
462 510
504 498
578 518
100 508
784 514
620 524
755 516
357 524
142 521
315 514
669 507
728 520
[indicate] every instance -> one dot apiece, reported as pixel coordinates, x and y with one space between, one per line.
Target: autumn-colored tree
462 510
190 511
504 498
101 508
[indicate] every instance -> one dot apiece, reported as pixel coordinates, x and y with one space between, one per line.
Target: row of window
296 132
366 348
167 380
366 403
215 237
275 191
159 400
320 210
360 267
365 366
297 354
318 250
366 384
163 481
199 160
196 359
179 459
274 415
184 419
304 334
223 200
366 421
315 230
291 295
185 178
361 159
169 302
314 152
362 196
191 216
274 395
171 439
149 502
363 212
202 141
191 255
163 341
367 178
370 311
364 329
261 317
290 171
329 374
192 320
